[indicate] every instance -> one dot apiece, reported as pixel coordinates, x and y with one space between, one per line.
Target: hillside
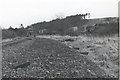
71 25
75 25
59 26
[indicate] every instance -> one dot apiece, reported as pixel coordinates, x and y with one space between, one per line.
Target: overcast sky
16 12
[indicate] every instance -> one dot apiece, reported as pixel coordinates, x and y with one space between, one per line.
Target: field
61 56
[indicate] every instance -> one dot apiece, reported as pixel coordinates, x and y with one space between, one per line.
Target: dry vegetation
101 50
49 58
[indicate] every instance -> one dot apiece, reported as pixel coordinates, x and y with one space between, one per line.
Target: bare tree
84 15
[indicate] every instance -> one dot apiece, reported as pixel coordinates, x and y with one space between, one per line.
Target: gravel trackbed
41 58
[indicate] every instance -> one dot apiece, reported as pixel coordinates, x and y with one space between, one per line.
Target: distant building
41 31
75 28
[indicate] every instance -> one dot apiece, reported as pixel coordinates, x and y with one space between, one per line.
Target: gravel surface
41 58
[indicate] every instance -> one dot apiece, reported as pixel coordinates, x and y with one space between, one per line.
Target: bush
8 34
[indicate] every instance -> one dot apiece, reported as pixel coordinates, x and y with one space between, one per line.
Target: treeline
104 29
60 26
71 25
57 26
13 32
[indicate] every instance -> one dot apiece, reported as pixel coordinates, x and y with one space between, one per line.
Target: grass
102 50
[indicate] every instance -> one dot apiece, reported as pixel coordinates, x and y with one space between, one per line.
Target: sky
26 12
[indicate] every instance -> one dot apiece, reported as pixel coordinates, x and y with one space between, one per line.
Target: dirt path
46 58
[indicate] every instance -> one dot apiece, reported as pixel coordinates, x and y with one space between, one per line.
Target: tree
21 26
10 28
84 15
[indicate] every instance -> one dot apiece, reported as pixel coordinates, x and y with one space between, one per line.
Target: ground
57 57
102 50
